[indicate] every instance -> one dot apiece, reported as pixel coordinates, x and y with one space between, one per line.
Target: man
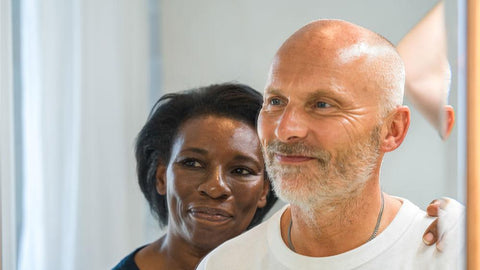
332 109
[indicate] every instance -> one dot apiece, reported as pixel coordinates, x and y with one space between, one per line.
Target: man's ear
161 181
263 198
396 126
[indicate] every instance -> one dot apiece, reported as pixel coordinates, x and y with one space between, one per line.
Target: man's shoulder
245 249
406 234
450 216
257 235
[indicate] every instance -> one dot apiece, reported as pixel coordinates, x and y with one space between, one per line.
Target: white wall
8 245
204 42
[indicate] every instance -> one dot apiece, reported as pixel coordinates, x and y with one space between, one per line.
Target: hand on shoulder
449 213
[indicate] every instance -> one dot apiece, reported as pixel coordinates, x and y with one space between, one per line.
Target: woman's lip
210 214
292 158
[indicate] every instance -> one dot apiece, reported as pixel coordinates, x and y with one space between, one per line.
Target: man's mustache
297 149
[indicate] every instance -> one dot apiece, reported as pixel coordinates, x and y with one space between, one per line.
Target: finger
432 208
437 204
451 214
444 202
431 233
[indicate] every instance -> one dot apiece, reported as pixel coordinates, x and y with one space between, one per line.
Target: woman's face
214 181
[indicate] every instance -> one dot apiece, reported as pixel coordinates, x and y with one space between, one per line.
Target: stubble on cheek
297 183
325 180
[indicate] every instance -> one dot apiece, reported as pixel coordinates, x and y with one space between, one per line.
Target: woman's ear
161 181
396 126
262 201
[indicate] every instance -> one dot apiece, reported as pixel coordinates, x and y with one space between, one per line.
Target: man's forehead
307 92
312 75
332 58
361 50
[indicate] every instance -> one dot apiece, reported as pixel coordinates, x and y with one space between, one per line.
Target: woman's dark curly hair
154 142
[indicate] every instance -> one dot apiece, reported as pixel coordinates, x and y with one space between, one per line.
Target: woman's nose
215 186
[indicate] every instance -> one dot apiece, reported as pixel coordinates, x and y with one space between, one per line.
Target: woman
201 169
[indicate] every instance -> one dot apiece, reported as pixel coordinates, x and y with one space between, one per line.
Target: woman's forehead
218 131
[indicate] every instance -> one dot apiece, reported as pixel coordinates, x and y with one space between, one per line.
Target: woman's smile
210 214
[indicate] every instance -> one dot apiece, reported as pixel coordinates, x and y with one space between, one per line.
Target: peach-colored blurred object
424 51
473 135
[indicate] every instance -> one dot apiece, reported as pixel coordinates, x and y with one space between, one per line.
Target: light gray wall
204 42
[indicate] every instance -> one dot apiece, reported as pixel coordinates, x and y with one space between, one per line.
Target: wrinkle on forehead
362 49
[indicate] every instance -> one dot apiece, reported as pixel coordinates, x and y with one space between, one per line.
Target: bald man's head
345 47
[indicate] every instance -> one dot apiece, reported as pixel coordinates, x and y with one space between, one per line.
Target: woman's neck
169 252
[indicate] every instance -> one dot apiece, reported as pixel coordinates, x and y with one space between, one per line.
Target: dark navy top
128 263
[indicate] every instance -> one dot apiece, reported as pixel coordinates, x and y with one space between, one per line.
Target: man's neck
347 224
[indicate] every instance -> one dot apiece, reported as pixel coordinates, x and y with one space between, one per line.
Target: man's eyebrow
319 94
331 93
273 91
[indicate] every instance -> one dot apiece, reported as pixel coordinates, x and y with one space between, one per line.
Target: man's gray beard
327 184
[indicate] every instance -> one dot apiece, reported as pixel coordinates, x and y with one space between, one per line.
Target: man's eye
322 105
275 101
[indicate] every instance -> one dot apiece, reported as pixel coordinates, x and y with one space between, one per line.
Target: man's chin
295 192
313 195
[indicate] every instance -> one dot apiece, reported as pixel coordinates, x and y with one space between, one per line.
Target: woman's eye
322 105
242 171
191 163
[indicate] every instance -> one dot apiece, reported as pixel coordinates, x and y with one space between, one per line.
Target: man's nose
215 186
292 125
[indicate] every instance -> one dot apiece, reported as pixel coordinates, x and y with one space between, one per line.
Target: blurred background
80 76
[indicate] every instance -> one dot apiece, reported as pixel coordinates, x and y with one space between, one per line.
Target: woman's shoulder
128 263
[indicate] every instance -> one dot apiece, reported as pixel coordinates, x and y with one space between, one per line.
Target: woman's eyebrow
252 161
241 157
195 150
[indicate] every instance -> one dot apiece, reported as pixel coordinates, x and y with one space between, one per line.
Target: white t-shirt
399 246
